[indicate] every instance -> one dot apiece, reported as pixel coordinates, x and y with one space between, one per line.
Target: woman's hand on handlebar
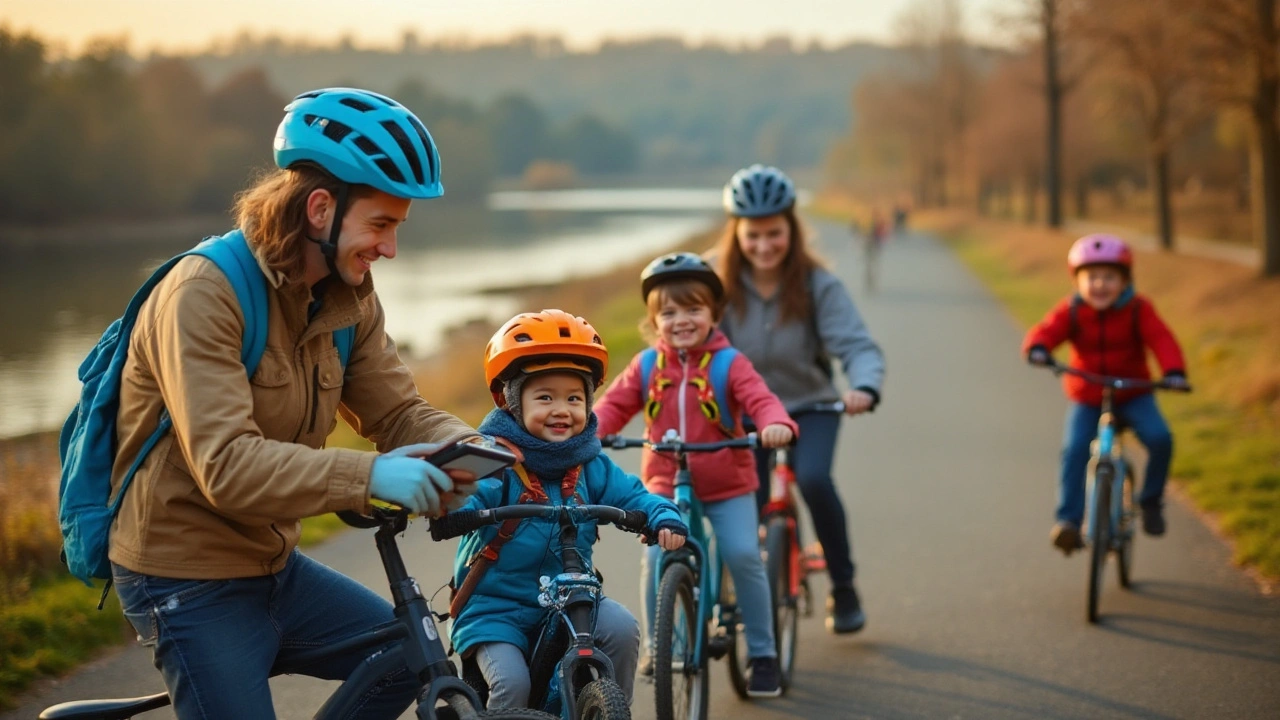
776 435
857 402
409 482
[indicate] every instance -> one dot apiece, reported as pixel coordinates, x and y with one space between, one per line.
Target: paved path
950 490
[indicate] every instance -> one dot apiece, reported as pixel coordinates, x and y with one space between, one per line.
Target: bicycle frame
1108 448
699 552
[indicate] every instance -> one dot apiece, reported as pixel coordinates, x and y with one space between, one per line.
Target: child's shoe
1153 518
645 667
844 611
1066 537
765 680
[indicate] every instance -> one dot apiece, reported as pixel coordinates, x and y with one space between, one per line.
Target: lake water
451 268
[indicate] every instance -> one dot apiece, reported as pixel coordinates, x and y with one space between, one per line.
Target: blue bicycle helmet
759 191
361 137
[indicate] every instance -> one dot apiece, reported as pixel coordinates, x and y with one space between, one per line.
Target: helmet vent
335 130
389 169
312 94
523 337
564 332
426 142
360 105
406 147
367 146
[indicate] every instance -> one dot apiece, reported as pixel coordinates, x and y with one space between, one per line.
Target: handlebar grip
458 523
635 520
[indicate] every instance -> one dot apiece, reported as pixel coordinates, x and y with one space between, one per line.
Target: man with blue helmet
204 549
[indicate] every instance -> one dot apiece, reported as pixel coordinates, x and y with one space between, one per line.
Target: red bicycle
788 563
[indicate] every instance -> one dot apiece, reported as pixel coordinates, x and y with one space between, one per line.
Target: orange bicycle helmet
547 340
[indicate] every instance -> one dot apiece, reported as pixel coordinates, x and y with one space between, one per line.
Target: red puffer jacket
1113 342
716 476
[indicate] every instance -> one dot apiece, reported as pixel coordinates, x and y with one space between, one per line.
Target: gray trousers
506 669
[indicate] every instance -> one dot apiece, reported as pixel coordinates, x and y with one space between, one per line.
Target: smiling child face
553 405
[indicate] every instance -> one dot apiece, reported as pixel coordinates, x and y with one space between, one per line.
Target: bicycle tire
1099 535
781 557
602 699
1127 532
464 711
674 658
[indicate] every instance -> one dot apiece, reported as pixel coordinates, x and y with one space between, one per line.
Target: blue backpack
717 371
87 445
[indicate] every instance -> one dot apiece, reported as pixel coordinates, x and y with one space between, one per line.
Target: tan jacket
222 494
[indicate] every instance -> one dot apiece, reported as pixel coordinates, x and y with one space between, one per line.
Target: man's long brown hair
273 213
794 301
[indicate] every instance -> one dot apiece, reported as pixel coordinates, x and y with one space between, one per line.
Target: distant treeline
103 136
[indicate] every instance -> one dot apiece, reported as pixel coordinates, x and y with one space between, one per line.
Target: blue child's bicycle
697 618
1111 512
565 662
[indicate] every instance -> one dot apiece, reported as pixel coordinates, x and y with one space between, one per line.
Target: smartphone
483 460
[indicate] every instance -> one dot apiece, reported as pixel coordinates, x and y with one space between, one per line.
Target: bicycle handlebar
462 522
618 442
1116 383
836 408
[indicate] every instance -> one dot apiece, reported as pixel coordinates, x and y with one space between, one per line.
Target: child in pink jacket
685 299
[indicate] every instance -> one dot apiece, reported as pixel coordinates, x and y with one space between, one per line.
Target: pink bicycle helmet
1099 249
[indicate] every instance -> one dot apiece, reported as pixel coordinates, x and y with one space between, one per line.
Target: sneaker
1153 519
645 667
1066 537
765 679
844 611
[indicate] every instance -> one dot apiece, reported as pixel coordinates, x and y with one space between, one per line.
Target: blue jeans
1144 418
811 463
217 641
735 523
506 669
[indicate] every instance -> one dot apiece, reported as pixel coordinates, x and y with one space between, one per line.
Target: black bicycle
565 662
444 695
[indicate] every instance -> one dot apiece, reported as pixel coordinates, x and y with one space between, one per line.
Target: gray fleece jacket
788 355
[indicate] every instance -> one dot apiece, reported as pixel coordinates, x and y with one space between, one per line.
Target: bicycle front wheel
782 558
680 683
1126 533
603 700
1099 534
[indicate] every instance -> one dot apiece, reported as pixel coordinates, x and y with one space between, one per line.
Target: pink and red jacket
716 476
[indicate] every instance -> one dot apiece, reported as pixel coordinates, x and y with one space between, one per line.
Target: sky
177 25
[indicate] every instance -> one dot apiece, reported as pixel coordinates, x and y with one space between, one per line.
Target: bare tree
1236 49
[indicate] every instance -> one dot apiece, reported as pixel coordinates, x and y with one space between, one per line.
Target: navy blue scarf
548 460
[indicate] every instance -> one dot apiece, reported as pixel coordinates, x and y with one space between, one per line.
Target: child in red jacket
1110 328
685 298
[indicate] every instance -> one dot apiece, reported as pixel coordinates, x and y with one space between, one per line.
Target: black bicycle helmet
759 191
679 266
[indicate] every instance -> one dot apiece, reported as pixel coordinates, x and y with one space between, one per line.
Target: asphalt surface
949 487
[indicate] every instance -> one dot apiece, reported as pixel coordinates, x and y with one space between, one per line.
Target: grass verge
1227 433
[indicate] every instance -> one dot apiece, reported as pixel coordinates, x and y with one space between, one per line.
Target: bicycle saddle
113 709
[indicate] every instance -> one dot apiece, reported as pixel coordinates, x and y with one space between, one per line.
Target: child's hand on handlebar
776 435
857 402
668 540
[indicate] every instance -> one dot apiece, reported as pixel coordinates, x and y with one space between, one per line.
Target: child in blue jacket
543 369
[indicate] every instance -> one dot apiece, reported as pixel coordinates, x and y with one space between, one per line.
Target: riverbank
48 621
1227 433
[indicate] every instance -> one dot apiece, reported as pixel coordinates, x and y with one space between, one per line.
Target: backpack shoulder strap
1073 317
718 372
233 257
648 358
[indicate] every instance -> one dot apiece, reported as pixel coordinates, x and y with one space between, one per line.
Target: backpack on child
87 445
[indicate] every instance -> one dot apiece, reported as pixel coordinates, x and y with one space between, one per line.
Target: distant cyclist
792 317
1110 327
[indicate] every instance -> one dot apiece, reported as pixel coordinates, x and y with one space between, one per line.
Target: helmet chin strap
329 248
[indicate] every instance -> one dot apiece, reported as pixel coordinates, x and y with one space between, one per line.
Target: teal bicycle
1111 511
697 618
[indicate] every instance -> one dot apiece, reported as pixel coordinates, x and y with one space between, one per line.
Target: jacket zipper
315 397
684 385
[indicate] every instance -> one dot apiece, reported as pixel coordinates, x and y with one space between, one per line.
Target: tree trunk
1053 115
1164 206
1266 161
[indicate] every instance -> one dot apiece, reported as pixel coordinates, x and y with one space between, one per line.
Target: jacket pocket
276 405
327 377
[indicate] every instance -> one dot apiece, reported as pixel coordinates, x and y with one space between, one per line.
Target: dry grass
29 535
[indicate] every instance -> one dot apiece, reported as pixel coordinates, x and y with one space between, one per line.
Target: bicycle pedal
718 646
